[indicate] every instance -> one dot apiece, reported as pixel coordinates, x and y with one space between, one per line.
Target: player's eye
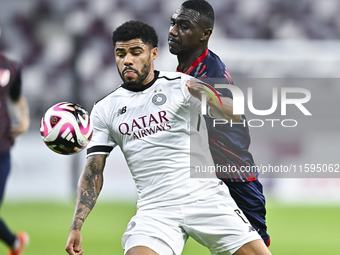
184 27
120 55
136 53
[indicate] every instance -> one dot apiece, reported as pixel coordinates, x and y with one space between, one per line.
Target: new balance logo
122 111
251 228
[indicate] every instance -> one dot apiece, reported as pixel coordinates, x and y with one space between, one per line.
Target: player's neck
186 60
149 78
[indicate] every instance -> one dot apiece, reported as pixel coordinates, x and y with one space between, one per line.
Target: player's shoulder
170 76
173 77
105 107
116 93
214 59
216 68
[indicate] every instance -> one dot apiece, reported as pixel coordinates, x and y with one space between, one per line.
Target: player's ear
154 53
206 34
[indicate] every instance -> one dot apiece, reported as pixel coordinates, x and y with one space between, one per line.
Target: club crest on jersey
159 99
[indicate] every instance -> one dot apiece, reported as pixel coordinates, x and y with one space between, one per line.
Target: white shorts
216 223
155 244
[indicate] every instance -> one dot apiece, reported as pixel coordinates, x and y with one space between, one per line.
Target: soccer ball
66 128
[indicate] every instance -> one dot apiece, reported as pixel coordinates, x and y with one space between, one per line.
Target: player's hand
73 243
21 114
18 130
195 88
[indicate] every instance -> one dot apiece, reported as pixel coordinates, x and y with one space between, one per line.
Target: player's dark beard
141 75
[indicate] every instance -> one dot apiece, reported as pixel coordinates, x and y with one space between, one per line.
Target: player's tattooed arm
89 187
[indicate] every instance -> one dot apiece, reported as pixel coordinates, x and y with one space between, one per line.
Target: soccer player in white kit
155 121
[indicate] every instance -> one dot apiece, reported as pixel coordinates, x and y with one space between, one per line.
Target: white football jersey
160 131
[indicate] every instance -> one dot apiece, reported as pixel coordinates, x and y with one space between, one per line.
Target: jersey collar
146 86
196 62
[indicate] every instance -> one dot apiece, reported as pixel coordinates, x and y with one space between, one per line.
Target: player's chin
129 79
133 84
174 49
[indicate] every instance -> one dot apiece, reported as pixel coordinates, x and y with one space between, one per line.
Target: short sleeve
101 142
185 91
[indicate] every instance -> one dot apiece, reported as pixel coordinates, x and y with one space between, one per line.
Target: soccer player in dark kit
190 30
10 87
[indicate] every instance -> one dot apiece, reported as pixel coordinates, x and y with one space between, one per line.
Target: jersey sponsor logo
159 99
5 76
145 125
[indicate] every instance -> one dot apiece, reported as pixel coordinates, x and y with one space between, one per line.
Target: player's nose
173 31
128 60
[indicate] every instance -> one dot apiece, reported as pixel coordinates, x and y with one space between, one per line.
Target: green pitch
294 230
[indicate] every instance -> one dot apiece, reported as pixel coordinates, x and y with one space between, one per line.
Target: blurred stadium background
65 47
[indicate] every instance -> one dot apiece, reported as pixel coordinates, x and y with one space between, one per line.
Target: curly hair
203 8
135 29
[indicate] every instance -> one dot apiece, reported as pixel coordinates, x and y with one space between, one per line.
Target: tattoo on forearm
89 187
78 219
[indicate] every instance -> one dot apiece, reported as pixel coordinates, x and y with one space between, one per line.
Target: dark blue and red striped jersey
10 87
229 145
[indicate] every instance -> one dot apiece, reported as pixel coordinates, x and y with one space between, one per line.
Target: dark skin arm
224 111
89 187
